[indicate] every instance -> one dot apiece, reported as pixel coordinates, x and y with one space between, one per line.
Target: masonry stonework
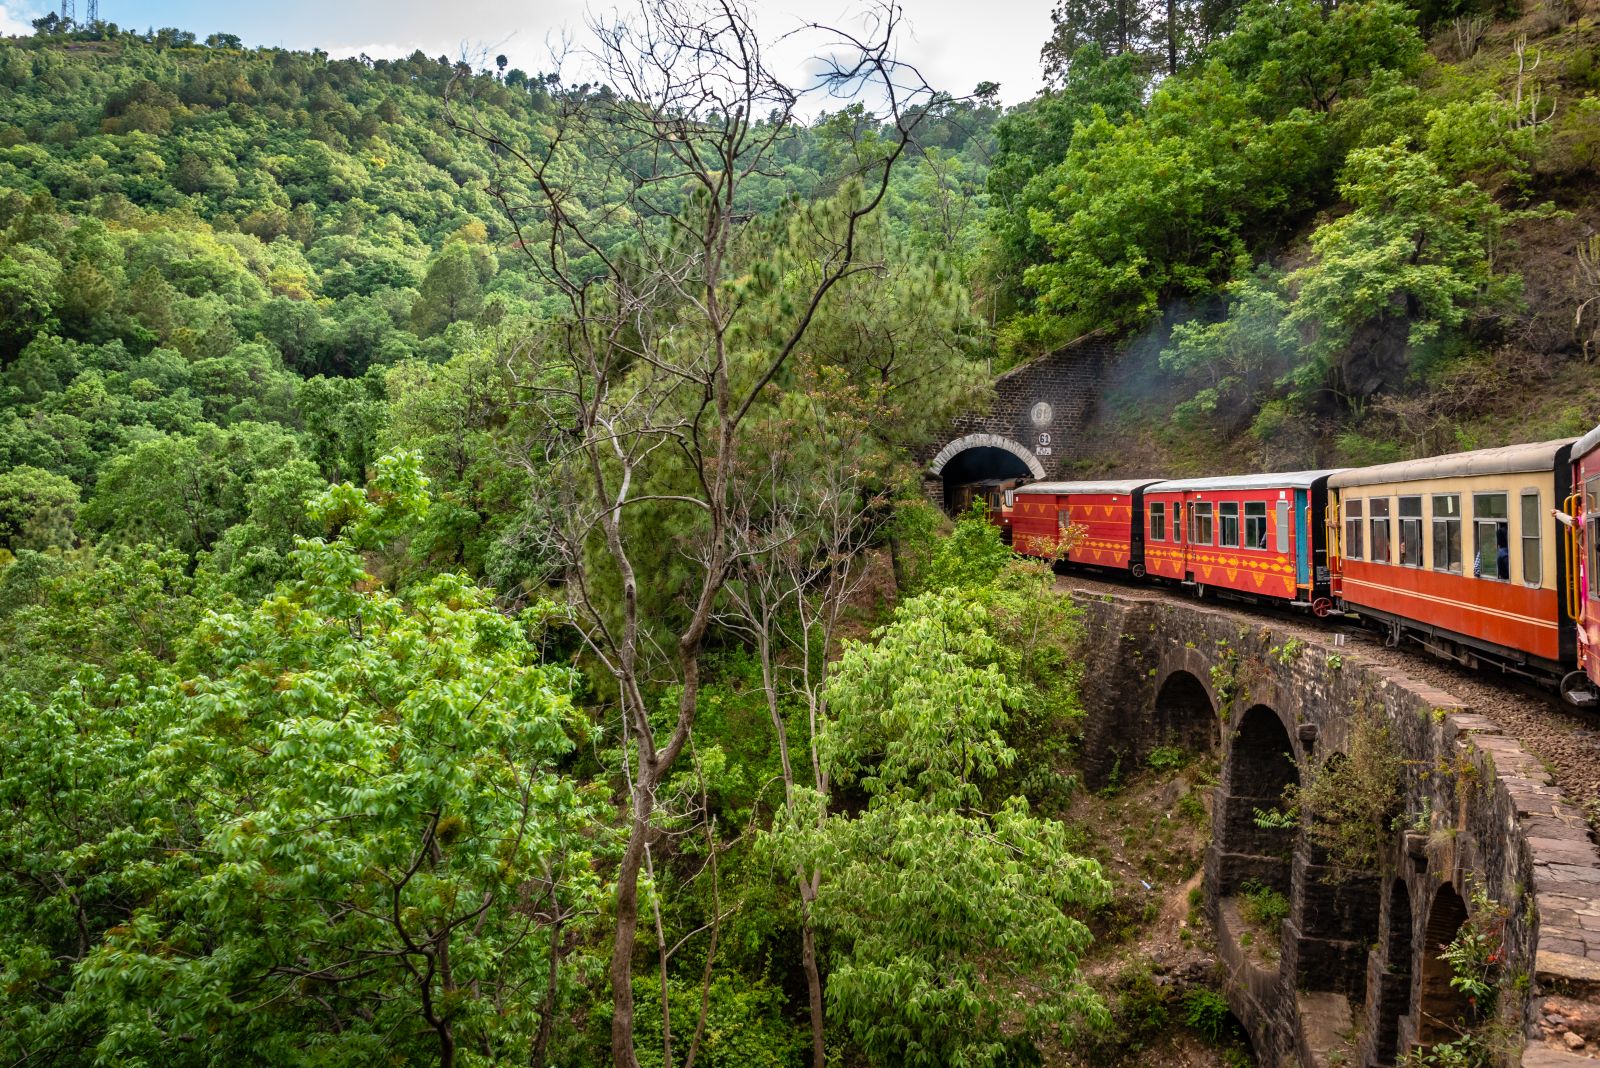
1038 413
1357 962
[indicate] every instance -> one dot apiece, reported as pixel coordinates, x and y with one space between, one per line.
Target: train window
1228 524
1283 526
1352 531
1594 558
1380 530
1447 532
1594 538
1158 522
1411 531
1532 553
1255 525
1200 523
1491 537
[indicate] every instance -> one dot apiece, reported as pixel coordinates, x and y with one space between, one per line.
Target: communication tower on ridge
69 10
93 13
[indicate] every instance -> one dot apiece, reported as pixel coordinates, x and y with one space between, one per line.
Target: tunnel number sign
1041 415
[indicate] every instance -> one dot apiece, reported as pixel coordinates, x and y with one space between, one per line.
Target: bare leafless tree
803 518
628 203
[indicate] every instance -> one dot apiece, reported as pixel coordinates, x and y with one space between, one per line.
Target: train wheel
1322 607
1138 571
1576 689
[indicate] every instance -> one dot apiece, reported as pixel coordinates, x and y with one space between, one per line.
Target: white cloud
16 20
375 50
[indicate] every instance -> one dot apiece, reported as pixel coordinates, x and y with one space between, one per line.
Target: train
1490 558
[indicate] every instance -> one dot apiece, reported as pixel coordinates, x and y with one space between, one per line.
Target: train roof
1266 480
1509 459
1111 486
1588 443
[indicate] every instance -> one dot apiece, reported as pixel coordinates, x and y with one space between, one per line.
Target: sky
954 43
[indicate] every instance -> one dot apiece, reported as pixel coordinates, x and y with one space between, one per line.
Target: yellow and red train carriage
1459 552
1485 556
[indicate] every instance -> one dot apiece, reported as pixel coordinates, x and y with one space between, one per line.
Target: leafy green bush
1352 798
918 721
1263 906
745 1023
1165 758
972 555
1191 808
1206 1013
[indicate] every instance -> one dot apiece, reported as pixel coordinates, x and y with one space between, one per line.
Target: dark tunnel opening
980 464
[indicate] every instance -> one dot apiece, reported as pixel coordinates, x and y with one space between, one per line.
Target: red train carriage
1459 552
1581 560
1103 516
1251 534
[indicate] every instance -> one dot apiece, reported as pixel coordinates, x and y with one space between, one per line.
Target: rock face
1479 813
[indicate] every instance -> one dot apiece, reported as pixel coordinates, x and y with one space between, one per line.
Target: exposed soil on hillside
1152 959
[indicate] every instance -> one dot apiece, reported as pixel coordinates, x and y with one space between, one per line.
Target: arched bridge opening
1184 717
1443 1011
1255 836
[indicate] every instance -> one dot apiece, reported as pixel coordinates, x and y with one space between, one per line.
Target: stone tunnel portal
979 458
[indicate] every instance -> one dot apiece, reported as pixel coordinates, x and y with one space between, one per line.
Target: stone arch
1184 715
1394 986
1441 1009
943 457
1260 765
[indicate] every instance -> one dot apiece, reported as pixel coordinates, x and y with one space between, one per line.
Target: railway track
1567 741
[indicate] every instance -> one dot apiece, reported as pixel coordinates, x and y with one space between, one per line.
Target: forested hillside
465 591
232 260
1336 234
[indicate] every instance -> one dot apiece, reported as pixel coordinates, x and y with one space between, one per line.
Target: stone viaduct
1356 966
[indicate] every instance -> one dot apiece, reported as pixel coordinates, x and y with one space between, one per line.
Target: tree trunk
621 971
547 1019
808 954
661 956
1172 36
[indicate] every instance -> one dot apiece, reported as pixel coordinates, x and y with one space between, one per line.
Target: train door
1589 577
1302 536
1581 566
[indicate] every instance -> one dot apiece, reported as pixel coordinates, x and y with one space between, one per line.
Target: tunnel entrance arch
980 458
